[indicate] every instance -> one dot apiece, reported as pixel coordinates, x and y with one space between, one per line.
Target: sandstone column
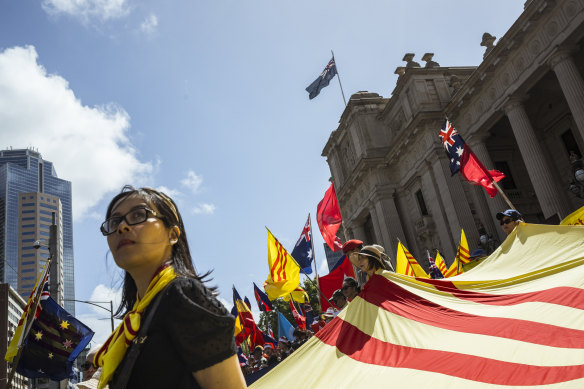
540 174
572 85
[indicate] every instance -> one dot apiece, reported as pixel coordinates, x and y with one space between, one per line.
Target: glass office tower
25 171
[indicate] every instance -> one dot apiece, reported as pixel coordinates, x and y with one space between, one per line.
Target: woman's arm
223 375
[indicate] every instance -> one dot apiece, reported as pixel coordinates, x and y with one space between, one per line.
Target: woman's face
363 263
139 247
349 291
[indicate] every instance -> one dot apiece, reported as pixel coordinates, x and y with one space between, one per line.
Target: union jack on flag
323 80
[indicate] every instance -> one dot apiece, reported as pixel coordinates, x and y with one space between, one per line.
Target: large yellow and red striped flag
462 257
516 320
284 273
405 263
440 264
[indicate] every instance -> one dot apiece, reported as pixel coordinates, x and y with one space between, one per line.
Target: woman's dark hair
168 213
350 281
374 263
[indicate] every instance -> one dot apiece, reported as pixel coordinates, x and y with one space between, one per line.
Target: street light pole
96 303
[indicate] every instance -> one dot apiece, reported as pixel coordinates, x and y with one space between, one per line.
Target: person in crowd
351 248
350 288
476 257
258 361
370 260
91 373
183 332
329 314
509 219
284 346
338 299
270 355
301 337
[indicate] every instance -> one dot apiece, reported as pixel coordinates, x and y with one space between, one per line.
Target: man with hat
509 219
351 248
338 299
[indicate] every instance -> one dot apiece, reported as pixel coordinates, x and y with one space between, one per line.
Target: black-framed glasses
86 366
135 216
345 287
507 221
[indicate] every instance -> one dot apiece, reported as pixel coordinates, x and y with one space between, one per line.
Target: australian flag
54 341
302 252
462 159
323 80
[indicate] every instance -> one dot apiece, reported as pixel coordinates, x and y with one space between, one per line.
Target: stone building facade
521 111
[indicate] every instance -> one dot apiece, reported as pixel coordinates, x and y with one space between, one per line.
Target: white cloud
172 193
204 209
149 25
323 268
192 181
85 10
88 145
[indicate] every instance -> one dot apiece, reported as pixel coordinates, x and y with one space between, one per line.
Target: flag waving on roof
330 70
514 321
284 274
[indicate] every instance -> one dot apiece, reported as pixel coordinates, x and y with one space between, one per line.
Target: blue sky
207 100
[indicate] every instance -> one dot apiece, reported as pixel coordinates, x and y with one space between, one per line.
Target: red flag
474 171
334 280
328 217
300 320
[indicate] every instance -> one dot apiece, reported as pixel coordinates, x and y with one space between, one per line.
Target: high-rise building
30 192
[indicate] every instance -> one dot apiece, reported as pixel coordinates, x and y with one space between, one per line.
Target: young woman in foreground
189 342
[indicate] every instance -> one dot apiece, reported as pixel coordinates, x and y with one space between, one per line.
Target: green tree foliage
284 307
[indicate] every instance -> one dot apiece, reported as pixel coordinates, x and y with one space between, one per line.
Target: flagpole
339 78
313 253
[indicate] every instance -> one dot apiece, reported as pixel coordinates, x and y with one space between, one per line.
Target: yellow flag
574 219
284 273
407 264
462 257
27 315
440 264
299 295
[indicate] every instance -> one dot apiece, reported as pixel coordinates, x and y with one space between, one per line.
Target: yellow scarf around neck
112 352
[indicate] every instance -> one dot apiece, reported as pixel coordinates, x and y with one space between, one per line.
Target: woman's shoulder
191 294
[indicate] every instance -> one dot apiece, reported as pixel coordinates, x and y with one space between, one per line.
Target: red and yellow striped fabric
516 320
